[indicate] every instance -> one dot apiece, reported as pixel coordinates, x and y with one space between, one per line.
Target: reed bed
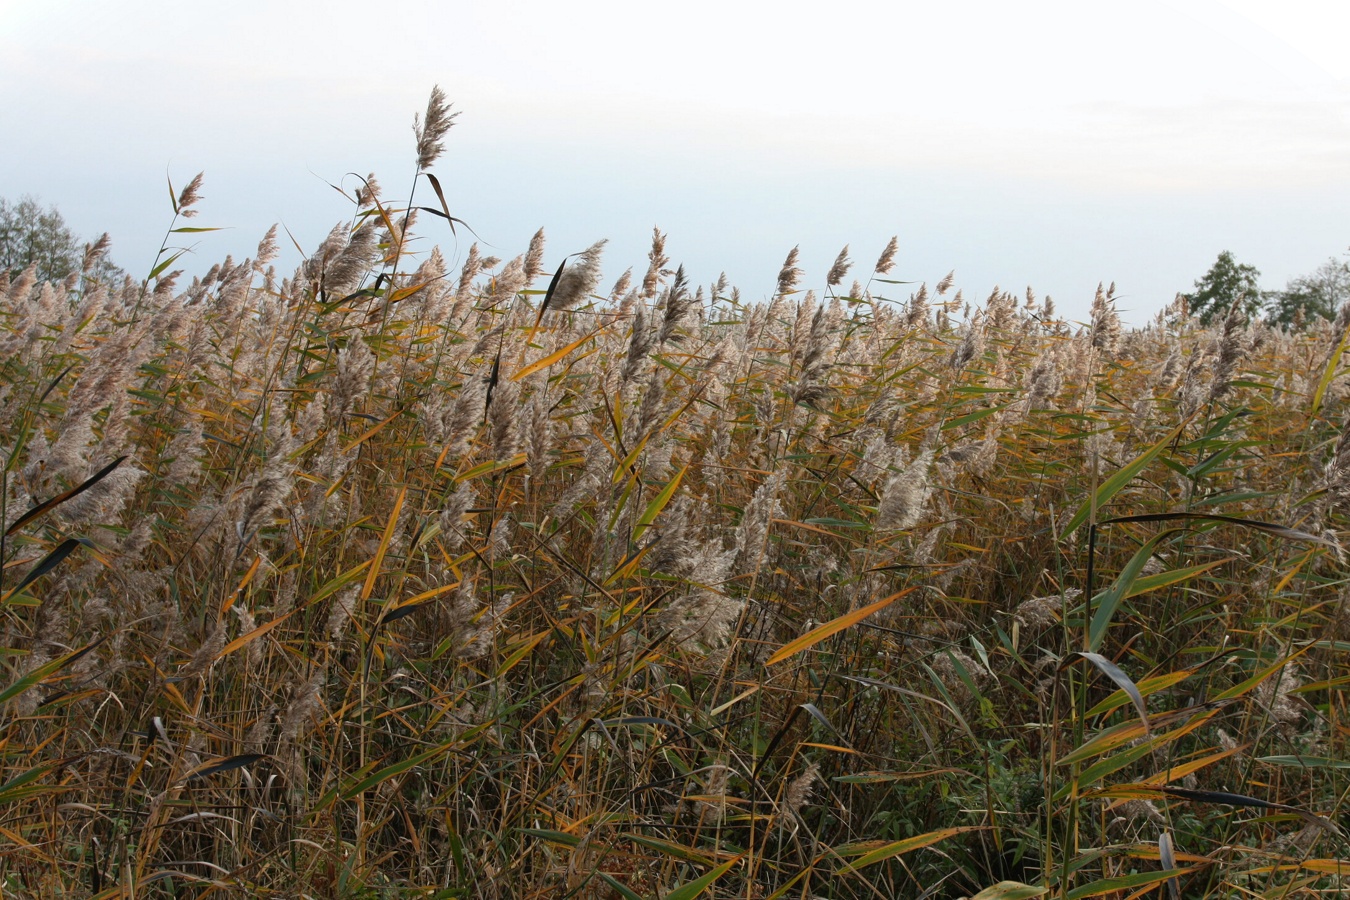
396 578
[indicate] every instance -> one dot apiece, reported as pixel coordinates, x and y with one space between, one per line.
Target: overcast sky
1046 144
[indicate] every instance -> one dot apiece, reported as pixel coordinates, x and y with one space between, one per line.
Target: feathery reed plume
1105 323
342 259
368 192
797 793
906 495
948 666
504 417
305 703
1000 310
657 263
355 365
886 261
431 130
789 275
1341 323
809 388
621 286
579 280
839 269
759 513
499 539
640 344
94 252
591 478
508 283
539 436
255 741
206 654
480 632
678 304
1043 380
801 328
1041 612
473 264
1230 347
876 456
246 625
674 554
462 423
705 615
971 346
189 196
719 287
271 486
21 286
456 507
267 250
652 398
917 312
182 455
534 257
712 804
340 613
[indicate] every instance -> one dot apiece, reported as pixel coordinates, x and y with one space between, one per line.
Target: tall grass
392 579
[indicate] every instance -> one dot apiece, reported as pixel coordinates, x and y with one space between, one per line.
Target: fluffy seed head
579 279
431 130
906 495
789 275
189 196
94 252
1105 327
658 260
534 257
971 346
799 791
886 261
840 268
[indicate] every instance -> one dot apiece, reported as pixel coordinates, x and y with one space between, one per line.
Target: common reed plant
404 576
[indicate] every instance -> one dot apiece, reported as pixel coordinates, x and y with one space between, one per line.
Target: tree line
1228 284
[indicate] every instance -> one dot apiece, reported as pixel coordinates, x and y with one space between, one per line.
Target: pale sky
1045 144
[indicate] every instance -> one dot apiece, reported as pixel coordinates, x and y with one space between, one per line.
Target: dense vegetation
390 580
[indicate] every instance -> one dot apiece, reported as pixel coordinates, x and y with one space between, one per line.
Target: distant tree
31 234
1321 293
1226 283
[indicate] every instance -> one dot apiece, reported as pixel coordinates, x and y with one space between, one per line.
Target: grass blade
1113 485
1283 531
48 562
820 633
224 764
1329 373
48 505
44 671
1123 681
869 854
1109 601
658 503
553 357
691 889
1010 890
